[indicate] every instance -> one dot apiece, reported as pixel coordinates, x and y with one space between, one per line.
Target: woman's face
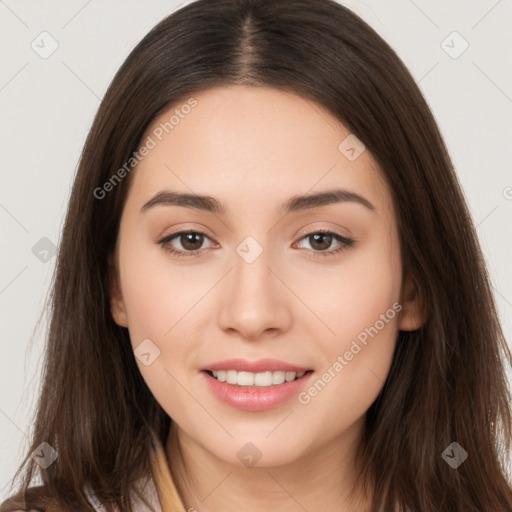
257 279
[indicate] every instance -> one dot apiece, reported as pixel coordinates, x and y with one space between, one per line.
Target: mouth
252 392
271 384
255 385
263 379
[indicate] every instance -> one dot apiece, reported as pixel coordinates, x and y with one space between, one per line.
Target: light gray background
48 106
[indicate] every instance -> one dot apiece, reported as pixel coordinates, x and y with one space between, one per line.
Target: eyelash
345 243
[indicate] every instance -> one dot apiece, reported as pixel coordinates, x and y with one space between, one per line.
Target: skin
252 149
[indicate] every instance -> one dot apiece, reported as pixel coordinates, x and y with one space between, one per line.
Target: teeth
278 377
263 379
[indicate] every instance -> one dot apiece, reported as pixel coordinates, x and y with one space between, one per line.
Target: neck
324 480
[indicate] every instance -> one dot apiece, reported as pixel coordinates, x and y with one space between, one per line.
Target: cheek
362 309
160 301
159 296
351 295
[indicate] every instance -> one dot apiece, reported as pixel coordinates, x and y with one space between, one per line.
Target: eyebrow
294 204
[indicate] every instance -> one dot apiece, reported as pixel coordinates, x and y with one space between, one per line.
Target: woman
268 279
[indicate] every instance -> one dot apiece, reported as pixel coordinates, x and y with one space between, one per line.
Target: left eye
323 239
192 241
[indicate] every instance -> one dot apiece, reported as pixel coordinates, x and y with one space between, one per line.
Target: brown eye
184 243
191 241
320 243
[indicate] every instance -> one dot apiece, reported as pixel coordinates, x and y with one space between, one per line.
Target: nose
254 302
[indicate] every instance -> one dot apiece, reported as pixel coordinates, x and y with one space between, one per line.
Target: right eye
190 241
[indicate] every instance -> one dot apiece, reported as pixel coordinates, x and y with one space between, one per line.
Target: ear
412 315
117 307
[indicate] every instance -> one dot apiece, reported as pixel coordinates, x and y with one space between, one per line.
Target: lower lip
254 398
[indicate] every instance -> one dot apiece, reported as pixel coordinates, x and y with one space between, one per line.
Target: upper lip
260 365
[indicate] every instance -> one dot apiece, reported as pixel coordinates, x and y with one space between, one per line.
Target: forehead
239 143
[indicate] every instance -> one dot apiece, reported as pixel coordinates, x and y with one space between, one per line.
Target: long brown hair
447 382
